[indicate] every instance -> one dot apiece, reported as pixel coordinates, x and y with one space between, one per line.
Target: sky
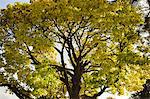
6 95
4 3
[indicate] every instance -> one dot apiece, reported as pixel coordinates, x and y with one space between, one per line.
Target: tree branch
19 91
89 50
35 61
63 65
100 92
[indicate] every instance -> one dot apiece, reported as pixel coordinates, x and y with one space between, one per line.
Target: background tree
144 47
145 93
95 41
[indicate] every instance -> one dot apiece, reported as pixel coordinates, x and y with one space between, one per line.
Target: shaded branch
35 61
61 68
63 65
70 56
57 49
95 95
100 92
19 91
95 45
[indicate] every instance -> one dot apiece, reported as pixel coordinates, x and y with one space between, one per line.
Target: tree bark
75 87
76 83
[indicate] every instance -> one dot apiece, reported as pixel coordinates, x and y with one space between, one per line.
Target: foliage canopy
95 40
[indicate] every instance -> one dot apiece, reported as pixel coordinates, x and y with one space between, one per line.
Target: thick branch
99 93
71 48
20 92
63 65
70 56
61 68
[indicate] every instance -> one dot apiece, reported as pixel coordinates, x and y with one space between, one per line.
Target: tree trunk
75 92
76 86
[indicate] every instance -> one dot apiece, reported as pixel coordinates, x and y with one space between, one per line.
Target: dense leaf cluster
83 47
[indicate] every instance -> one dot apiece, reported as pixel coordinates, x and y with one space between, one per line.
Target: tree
145 93
145 42
95 41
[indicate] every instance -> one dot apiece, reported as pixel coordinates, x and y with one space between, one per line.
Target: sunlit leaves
97 31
